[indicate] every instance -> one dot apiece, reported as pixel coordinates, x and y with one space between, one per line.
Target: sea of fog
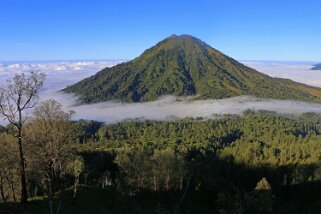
62 74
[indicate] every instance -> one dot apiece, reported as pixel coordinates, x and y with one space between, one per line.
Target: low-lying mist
171 108
61 74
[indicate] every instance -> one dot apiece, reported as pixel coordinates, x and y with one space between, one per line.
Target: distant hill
317 67
184 66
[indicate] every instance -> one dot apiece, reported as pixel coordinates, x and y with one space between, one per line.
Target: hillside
148 166
317 67
185 66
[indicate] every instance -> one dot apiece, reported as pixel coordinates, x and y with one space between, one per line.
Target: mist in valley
62 74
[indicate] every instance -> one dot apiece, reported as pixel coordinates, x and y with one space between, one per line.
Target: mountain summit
183 66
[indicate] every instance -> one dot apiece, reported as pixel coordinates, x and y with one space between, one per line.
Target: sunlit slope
184 66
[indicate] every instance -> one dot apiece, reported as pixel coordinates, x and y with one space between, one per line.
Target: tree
261 199
136 168
50 133
16 97
76 167
8 167
263 184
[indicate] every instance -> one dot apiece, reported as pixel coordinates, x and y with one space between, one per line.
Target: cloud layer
61 74
299 72
170 107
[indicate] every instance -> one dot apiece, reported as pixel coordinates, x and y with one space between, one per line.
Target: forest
258 162
186 66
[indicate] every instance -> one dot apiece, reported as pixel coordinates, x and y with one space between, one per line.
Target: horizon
58 30
9 62
119 106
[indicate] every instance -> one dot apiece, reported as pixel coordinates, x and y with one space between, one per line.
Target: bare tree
16 97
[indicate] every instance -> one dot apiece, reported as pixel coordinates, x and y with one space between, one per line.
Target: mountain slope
317 67
183 66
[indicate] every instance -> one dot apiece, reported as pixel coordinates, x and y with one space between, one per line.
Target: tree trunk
241 206
181 183
32 189
155 181
86 178
177 209
167 180
1 189
49 197
61 190
36 190
75 187
24 194
11 185
59 206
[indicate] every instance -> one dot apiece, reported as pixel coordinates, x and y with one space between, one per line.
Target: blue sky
116 29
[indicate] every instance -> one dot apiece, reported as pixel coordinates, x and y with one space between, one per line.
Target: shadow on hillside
218 186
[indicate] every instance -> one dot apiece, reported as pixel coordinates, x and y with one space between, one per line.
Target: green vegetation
89 200
317 67
184 66
256 139
261 162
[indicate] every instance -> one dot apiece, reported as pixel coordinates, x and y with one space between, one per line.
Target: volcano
185 66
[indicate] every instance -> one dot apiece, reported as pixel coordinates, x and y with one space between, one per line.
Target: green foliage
157 170
228 155
2 129
261 162
256 139
182 134
184 66
76 166
9 178
86 130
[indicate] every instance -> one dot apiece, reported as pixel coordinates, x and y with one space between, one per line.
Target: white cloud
296 72
61 74
168 107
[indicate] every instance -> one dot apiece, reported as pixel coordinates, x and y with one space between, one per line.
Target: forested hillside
185 66
261 162
258 162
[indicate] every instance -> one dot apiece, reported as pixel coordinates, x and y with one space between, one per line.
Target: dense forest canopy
258 162
261 162
185 66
